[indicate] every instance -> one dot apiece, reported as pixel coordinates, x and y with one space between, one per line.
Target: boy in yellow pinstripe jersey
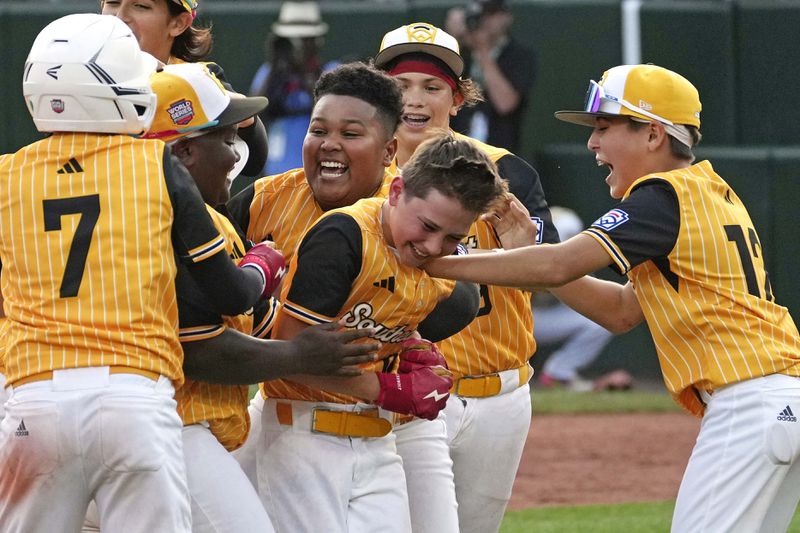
490 409
728 352
92 220
215 415
326 438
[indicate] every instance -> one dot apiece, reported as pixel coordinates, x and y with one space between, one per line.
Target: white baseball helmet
86 72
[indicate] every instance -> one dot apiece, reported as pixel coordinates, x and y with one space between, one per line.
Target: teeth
332 164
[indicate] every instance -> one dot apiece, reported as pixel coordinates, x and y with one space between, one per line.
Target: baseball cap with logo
191 100
644 93
299 19
421 37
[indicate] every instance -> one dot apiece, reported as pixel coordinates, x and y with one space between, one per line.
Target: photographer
504 69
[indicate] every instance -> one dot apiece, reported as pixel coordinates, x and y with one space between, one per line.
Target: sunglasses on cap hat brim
593 108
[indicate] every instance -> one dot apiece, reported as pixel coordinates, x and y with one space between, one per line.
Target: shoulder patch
539 229
611 220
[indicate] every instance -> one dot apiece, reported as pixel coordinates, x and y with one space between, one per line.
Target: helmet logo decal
181 112
421 33
57 105
53 71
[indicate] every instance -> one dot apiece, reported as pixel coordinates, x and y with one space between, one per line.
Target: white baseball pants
429 475
84 433
487 436
744 471
316 482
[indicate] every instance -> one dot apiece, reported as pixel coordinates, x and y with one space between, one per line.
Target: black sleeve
524 183
452 314
255 136
645 225
232 290
328 261
239 207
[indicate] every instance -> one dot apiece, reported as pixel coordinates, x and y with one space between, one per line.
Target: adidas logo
71 167
387 284
22 431
787 415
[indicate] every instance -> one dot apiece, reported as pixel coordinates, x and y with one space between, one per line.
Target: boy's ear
458 101
185 151
657 135
390 151
396 190
177 25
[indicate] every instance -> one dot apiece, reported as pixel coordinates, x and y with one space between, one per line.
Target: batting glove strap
268 262
419 353
422 393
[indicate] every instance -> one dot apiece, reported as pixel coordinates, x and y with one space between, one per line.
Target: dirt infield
600 459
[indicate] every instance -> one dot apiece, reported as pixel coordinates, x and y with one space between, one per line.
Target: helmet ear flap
87 73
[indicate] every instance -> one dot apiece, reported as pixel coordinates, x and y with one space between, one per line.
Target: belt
333 419
492 384
113 369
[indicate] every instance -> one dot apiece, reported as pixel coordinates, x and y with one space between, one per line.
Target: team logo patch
181 112
57 105
421 33
611 220
539 229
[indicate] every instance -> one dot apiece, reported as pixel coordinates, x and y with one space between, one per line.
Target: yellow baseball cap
421 37
188 5
192 99
644 92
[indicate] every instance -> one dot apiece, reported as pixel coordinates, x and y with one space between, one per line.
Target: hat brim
240 109
582 118
300 30
447 56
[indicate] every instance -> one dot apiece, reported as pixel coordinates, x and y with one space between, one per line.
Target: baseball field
601 463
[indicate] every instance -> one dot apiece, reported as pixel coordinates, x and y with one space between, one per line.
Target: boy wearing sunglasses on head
728 352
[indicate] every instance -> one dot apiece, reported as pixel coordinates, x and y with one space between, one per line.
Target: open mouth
332 169
415 121
417 254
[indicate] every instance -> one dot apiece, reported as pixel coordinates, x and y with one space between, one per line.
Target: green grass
652 517
559 401
630 517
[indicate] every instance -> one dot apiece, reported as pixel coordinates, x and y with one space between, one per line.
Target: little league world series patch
611 220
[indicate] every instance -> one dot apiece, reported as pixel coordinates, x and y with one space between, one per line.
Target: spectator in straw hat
287 78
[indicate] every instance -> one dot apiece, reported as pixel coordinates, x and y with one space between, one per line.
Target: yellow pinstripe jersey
224 407
712 315
3 334
88 262
383 293
501 336
283 208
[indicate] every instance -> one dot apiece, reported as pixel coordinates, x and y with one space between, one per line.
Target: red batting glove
422 393
419 353
269 262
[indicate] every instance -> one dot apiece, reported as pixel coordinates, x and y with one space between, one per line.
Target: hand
419 353
330 351
512 224
269 262
422 393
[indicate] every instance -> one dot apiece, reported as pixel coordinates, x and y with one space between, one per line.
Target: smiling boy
683 237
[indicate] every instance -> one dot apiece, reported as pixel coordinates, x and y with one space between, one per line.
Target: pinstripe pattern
224 407
712 331
283 208
3 334
501 336
124 311
395 314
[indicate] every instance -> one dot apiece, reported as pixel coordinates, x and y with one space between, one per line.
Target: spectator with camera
504 69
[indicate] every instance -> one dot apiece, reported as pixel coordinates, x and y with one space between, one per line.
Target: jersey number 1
746 254
89 209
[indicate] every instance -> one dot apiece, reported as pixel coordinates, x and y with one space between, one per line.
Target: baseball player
728 352
340 168
490 409
92 219
326 437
